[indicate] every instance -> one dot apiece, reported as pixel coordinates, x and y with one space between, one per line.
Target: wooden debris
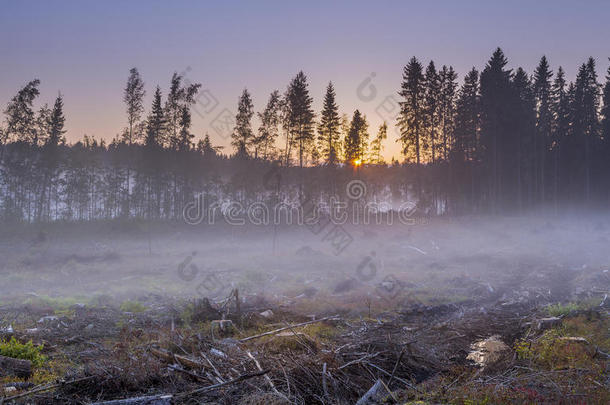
275 331
176 358
15 367
375 395
164 399
220 385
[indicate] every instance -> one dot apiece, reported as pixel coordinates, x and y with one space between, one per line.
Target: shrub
25 351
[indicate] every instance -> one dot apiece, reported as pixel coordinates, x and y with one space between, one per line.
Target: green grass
132 306
567 308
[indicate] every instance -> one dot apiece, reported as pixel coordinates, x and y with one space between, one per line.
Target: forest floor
463 328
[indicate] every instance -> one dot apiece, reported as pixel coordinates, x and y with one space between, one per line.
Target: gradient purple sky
85 48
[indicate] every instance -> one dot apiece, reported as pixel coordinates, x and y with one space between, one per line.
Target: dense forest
503 141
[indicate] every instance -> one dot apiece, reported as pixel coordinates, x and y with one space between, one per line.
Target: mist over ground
557 256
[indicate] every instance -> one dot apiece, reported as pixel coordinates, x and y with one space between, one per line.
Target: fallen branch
163 399
220 385
273 332
45 387
360 360
176 358
266 376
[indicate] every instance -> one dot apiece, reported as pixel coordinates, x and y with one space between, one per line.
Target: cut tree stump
15 367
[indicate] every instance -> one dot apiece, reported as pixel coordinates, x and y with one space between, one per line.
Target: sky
84 49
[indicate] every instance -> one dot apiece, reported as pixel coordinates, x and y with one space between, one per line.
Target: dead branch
273 332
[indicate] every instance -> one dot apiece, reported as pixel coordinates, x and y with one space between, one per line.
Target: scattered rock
267 314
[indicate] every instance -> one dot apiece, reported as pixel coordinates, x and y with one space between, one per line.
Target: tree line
501 141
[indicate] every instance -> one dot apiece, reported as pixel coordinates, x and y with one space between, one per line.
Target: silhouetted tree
377 144
412 110
268 130
432 110
329 130
300 114
243 136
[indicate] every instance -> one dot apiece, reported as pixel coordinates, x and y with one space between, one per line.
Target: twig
273 332
45 388
267 377
402 353
219 385
360 360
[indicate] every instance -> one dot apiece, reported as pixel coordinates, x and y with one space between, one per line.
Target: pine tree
268 130
186 137
412 112
133 96
300 114
377 144
242 134
20 117
178 98
41 131
329 127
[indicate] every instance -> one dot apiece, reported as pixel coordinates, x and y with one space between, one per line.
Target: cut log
15 367
176 358
164 399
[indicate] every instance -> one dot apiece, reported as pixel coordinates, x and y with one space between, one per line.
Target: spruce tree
496 105
155 124
544 118
355 141
467 121
329 127
447 108
300 115
242 134
412 110
432 109
561 129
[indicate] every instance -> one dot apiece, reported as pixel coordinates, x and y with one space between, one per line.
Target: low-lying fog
553 257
